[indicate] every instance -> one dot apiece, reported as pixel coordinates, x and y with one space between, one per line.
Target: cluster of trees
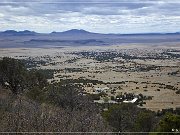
172 55
174 72
34 62
130 118
70 70
47 73
82 80
15 76
109 56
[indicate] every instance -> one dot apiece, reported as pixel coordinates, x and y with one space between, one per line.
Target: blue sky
103 16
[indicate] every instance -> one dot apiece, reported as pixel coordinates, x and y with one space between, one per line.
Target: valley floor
139 69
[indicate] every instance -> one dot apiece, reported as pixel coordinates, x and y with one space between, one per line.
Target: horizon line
88 31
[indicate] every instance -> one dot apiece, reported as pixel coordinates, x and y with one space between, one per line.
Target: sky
101 16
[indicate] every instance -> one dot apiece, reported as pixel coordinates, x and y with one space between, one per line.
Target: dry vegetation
20 114
148 70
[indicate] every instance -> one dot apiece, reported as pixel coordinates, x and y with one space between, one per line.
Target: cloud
99 16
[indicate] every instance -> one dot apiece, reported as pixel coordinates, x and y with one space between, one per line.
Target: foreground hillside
41 107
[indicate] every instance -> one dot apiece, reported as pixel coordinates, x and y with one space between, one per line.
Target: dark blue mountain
9 32
74 31
18 33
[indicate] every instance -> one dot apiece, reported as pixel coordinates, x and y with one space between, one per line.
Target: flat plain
153 71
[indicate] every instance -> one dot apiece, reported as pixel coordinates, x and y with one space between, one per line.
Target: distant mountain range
69 32
17 33
76 37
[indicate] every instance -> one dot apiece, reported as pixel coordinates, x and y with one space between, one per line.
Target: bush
112 98
94 96
168 122
178 92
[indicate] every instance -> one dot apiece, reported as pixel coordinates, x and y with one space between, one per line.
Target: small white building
131 101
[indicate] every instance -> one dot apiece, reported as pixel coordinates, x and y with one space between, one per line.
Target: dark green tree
145 121
12 74
122 117
169 123
15 76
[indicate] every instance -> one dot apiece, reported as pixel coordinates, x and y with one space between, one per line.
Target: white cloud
122 17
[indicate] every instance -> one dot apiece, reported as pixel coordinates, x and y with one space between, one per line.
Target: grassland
151 70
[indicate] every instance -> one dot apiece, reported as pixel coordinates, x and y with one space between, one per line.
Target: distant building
131 101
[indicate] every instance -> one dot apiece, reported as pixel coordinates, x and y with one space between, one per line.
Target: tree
122 117
36 79
169 123
66 96
12 73
145 121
